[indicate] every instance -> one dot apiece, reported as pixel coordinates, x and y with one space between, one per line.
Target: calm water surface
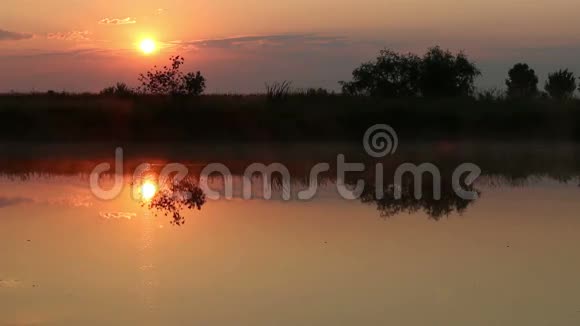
510 257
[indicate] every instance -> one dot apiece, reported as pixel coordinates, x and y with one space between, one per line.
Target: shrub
194 83
171 81
490 95
120 89
316 92
561 84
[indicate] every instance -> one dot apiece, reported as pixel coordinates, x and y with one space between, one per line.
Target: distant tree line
441 73
438 73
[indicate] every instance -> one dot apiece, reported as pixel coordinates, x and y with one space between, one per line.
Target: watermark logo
379 141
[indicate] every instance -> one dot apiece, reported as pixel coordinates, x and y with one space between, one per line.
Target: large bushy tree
390 75
522 81
438 73
444 74
561 84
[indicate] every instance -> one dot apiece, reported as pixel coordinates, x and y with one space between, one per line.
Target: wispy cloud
13 36
117 21
68 201
265 40
84 52
117 215
10 284
6 202
69 36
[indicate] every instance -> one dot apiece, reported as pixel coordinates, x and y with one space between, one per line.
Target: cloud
117 215
13 36
69 36
117 21
265 40
5 202
84 52
10 284
71 201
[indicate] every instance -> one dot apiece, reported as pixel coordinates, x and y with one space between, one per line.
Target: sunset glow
148 190
303 42
147 46
325 162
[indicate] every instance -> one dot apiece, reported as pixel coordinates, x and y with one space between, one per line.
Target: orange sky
79 45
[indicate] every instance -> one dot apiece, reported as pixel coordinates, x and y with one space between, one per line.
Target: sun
148 190
147 46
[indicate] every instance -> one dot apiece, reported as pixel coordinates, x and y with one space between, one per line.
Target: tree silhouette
194 83
171 81
561 84
444 74
522 81
438 74
178 197
391 75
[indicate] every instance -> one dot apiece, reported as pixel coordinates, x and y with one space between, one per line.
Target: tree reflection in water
174 198
503 166
389 205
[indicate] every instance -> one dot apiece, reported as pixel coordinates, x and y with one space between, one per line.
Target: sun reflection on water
148 190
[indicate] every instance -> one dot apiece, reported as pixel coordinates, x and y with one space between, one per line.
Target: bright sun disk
147 46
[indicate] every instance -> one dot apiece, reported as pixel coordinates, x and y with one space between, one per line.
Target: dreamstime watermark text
379 141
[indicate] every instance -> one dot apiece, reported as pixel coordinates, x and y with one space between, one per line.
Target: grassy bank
226 118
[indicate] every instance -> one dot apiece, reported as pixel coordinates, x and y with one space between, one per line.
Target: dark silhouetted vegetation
278 90
171 81
391 75
561 84
431 98
317 92
522 82
490 95
444 74
438 73
226 118
177 197
120 89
